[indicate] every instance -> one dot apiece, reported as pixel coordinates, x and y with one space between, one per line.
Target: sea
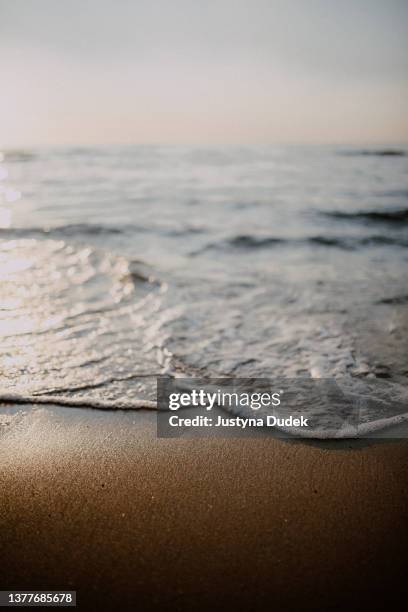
119 264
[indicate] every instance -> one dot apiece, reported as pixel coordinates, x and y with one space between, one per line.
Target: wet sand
93 501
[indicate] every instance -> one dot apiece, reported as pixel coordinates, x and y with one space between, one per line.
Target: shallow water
122 263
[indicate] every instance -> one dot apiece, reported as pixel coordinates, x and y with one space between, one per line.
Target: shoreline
395 426
94 501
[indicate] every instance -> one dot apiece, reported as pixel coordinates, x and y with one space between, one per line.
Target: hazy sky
100 71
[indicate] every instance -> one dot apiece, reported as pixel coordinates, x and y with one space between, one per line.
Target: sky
203 71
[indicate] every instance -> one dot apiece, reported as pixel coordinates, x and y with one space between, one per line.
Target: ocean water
119 264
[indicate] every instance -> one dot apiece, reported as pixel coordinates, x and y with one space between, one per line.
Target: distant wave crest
379 216
248 242
376 152
74 229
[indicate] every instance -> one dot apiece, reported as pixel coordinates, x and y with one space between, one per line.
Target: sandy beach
93 501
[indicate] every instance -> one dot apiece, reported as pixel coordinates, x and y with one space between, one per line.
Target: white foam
348 431
79 402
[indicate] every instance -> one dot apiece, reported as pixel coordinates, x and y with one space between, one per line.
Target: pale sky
203 71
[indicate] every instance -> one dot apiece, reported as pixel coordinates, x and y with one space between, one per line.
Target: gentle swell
376 153
79 402
395 300
253 242
92 229
19 155
73 229
248 243
379 216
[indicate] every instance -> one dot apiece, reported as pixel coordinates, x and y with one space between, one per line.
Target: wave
376 153
395 300
19 155
91 229
247 242
251 242
73 229
79 402
346 432
379 216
